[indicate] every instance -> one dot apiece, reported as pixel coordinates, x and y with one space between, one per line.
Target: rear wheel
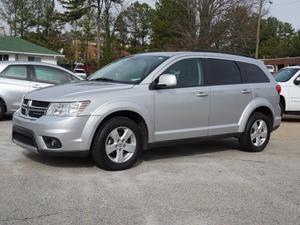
117 144
2 110
257 133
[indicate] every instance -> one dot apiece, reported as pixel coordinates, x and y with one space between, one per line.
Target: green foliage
277 39
173 25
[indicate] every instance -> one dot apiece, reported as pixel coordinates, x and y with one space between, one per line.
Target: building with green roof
17 49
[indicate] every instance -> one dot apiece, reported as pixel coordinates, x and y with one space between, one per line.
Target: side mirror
166 81
297 81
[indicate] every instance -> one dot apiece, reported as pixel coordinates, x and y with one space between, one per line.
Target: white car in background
80 72
271 68
19 78
289 80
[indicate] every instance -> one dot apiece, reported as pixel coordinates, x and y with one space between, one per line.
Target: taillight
278 89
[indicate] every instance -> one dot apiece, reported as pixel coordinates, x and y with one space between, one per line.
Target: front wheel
117 144
257 133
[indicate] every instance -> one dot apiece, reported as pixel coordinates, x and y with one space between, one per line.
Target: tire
255 140
113 151
282 107
2 110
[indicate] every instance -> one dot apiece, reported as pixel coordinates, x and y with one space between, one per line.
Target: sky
286 11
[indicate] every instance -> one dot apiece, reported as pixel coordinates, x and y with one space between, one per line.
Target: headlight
67 108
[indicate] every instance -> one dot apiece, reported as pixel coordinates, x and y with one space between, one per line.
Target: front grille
24 136
34 109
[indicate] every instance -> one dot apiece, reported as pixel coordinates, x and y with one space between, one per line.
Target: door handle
245 91
36 86
202 94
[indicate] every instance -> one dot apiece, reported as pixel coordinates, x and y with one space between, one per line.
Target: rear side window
15 72
252 73
51 75
222 72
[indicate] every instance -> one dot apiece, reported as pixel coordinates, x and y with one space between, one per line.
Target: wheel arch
131 114
5 107
262 106
282 100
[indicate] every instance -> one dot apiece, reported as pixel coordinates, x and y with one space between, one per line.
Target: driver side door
181 112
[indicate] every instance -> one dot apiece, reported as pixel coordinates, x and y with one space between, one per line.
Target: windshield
130 70
285 74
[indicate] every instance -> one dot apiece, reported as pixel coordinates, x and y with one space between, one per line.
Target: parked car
19 78
271 68
289 80
152 99
80 72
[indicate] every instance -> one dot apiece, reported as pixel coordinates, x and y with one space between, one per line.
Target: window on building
3 57
34 59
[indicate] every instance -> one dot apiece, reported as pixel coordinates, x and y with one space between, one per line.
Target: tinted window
189 72
51 75
222 72
285 75
252 73
16 72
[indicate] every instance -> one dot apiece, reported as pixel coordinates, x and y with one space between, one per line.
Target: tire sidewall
257 116
98 149
1 110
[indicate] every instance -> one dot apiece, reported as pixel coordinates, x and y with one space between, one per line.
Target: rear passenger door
15 83
229 95
44 76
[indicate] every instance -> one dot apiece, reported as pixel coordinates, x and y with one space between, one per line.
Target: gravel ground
210 182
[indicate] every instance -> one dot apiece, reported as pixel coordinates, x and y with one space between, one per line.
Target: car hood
75 91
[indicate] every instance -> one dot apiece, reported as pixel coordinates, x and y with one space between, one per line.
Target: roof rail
223 52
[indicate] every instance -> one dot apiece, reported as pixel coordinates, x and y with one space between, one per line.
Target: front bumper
74 133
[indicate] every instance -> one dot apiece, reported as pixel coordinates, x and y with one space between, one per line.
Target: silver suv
149 99
19 78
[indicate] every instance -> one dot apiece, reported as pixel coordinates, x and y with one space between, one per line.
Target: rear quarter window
252 73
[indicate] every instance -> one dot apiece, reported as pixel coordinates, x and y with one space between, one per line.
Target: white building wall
24 57
11 57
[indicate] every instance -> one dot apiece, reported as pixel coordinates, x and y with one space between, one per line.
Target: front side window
189 72
223 72
252 73
45 74
15 72
285 74
130 70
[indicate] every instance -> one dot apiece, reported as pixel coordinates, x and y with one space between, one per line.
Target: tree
138 19
17 14
277 38
173 25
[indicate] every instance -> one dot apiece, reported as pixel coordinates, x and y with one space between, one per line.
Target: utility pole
258 28
261 4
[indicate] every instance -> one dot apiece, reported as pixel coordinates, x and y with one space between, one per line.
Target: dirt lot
204 183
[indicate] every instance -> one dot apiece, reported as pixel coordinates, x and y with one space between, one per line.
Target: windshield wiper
104 79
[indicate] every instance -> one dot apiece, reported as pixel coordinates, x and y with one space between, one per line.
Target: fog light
52 142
